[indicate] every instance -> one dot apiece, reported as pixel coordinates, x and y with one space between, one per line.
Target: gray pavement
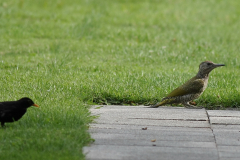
164 133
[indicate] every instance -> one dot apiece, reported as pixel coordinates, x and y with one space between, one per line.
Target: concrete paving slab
142 115
229 149
149 153
153 132
149 137
227 141
222 117
147 122
227 133
226 127
159 143
174 133
158 128
224 113
225 120
229 154
143 112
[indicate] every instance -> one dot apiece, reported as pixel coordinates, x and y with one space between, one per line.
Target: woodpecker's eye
208 64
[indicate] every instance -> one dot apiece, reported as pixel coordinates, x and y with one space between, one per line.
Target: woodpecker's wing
190 87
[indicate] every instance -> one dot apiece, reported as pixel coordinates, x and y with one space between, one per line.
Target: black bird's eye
208 64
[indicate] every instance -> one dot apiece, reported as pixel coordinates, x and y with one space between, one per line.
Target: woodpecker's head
206 67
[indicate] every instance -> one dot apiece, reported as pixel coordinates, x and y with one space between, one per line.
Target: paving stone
227 141
158 128
163 138
222 117
164 133
226 127
224 113
227 133
223 154
159 143
142 112
229 149
141 115
225 120
153 132
149 153
147 122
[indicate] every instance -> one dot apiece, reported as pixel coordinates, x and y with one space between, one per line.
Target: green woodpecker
191 89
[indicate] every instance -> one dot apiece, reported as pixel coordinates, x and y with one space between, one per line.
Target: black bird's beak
35 105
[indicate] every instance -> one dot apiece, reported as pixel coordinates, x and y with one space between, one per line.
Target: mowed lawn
69 54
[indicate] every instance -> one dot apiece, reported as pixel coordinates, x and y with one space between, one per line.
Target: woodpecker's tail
164 101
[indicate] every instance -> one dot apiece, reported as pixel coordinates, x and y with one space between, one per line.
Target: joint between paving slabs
212 132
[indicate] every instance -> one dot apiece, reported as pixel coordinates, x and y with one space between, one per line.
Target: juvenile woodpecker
191 89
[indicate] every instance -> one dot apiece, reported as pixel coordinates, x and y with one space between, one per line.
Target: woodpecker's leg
187 105
154 106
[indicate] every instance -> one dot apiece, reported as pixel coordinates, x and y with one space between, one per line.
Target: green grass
67 54
56 130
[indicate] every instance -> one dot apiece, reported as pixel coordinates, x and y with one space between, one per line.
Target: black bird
11 111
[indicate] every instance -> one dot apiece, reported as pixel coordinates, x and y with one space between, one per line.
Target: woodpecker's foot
154 106
187 105
194 107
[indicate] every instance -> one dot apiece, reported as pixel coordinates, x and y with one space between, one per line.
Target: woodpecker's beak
35 105
218 65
